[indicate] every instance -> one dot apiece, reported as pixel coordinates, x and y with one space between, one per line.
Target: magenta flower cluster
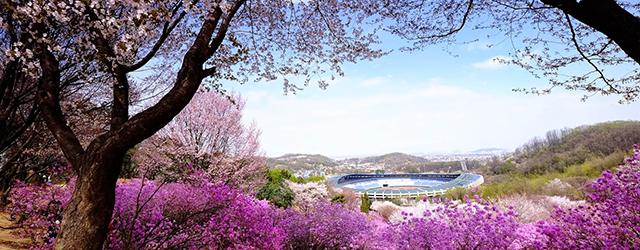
37 211
198 213
611 219
193 214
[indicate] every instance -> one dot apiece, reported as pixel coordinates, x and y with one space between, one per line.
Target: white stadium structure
383 186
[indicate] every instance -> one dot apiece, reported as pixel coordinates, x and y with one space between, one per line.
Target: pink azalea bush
37 210
192 214
198 213
331 226
610 219
468 225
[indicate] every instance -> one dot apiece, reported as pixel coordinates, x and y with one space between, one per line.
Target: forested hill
559 149
294 162
391 160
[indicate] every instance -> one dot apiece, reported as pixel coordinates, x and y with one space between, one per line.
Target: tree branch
607 17
222 31
453 31
49 100
165 34
209 72
575 43
187 82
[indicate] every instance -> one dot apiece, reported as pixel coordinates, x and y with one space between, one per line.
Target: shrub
613 208
277 193
37 210
338 198
470 225
193 214
330 226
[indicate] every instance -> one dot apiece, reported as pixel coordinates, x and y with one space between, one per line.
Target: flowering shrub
610 219
613 208
197 213
470 225
385 209
192 214
37 211
330 226
531 209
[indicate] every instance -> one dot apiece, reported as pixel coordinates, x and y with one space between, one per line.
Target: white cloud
491 63
421 119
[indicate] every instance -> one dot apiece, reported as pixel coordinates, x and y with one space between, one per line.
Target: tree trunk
607 17
88 214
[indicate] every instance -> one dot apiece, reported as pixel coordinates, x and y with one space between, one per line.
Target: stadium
389 186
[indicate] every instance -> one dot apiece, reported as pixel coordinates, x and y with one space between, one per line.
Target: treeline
563 161
560 149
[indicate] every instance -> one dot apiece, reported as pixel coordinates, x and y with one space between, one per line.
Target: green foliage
507 168
573 156
277 193
279 175
457 193
365 206
561 149
276 190
129 167
318 179
339 198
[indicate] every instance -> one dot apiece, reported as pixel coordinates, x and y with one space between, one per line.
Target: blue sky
422 102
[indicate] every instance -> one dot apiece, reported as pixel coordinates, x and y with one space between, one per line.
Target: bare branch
168 28
575 43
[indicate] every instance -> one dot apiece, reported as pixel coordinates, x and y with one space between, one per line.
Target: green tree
365 206
279 175
276 190
277 193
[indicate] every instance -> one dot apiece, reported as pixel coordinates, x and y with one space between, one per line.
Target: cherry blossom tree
588 45
181 43
309 193
208 135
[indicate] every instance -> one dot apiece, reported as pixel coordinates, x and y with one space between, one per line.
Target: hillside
390 160
563 161
562 148
301 162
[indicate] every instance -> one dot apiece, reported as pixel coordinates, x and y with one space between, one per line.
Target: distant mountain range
485 150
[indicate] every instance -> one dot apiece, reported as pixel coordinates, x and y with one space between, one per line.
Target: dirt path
7 241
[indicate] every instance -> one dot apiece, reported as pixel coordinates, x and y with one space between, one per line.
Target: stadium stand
383 186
